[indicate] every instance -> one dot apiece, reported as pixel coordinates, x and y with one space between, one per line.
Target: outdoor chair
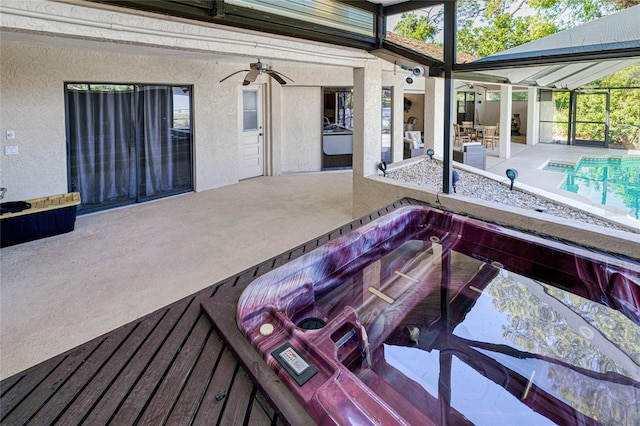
413 142
459 138
490 136
467 129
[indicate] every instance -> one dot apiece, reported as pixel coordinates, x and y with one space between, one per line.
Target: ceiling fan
257 68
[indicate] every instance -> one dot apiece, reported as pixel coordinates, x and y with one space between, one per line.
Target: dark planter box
47 216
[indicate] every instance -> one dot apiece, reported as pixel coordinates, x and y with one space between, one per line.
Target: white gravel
428 173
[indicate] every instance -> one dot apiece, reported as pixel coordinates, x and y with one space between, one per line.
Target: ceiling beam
404 53
559 59
408 6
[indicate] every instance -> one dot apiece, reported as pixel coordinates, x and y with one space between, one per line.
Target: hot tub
424 317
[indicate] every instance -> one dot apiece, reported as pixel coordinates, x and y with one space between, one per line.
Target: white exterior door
251 142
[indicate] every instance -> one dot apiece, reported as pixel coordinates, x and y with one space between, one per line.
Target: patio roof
568 59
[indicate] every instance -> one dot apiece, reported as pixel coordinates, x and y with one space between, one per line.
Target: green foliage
535 324
486 27
423 28
624 118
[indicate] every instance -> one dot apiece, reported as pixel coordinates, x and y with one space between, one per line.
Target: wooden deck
173 366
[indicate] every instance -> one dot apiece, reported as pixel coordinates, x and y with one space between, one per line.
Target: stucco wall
32 98
35 66
301 129
297 115
489 112
33 107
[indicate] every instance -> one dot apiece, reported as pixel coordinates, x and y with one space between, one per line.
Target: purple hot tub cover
426 317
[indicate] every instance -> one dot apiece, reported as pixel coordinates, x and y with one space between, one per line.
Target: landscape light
454 178
430 153
383 168
512 174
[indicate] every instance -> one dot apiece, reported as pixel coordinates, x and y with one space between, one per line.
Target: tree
423 27
486 27
623 4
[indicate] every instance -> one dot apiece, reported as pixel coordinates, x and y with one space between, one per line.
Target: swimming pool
425 317
611 181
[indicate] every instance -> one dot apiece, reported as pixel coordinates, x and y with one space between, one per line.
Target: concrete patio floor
121 264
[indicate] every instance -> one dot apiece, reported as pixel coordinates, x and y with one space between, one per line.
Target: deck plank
7 384
29 404
119 391
154 373
259 415
194 390
169 389
216 395
236 409
81 407
90 367
264 404
22 384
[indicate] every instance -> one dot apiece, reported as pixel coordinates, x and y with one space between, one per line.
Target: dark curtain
158 152
101 146
123 147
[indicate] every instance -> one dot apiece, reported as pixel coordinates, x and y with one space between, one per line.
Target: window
515 96
249 110
128 143
387 115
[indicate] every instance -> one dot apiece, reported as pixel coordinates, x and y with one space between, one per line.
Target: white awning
568 59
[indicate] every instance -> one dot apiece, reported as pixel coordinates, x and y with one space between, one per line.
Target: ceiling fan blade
250 77
232 74
278 76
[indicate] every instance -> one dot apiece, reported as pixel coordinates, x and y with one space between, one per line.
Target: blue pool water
611 181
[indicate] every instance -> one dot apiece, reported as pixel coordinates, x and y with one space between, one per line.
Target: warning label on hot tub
294 360
294 363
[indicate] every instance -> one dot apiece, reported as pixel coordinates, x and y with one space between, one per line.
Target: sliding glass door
128 143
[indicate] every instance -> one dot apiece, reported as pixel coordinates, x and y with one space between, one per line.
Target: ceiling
565 60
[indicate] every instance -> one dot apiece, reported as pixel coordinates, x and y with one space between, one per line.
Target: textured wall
32 100
120 47
301 129
490 113
32 106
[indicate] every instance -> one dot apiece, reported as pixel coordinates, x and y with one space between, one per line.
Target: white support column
397 127
533 117
273 158
367 126
506 94
434 114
